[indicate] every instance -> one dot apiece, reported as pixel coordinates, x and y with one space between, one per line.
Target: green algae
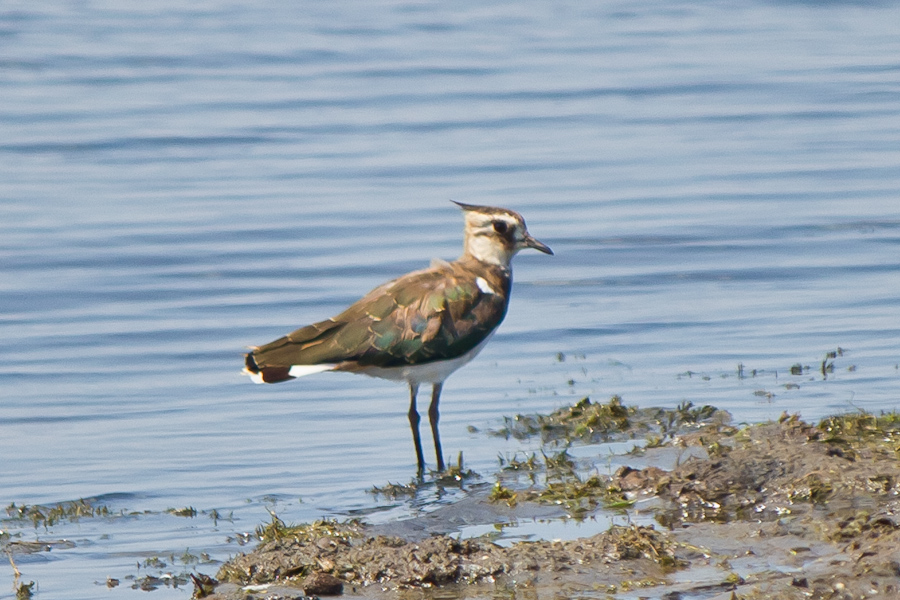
47 516
276 529
863 430
456 476
587 422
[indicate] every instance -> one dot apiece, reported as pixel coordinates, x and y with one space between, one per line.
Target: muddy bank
367 563
779 510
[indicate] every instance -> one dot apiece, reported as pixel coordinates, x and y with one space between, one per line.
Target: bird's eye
501 227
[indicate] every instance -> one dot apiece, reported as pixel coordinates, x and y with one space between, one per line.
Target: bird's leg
433 416
414 425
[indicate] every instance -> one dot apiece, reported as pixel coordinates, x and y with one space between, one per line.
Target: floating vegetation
47 516
216 516
589 422
557 479
154 562
188 511
160 571
579 497
562 485
395 490
148 583
72 511
528 464
828 367
188 558
559 465
499 493
204 585
824 367
25 591
454 476
576 494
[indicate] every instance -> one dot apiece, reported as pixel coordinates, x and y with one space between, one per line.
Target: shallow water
719 183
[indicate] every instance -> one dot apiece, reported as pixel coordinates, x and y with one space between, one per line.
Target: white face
494 237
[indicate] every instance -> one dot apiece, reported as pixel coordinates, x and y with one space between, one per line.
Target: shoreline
782 509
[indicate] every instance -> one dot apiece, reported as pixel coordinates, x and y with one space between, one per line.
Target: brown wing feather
427 315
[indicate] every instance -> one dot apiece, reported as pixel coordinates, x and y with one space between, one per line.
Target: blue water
720 183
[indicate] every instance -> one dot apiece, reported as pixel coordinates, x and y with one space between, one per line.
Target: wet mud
786 509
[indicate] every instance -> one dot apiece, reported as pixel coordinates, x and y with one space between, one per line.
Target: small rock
322 584
633 480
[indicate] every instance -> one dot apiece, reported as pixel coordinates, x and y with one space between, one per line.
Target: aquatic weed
589 422
276 529
584 420
24 591
148 583
455 476
204 585
500 493
51 515
559 465
393 491
863 429
530 463
579 497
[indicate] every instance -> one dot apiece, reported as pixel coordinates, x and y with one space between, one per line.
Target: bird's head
495 235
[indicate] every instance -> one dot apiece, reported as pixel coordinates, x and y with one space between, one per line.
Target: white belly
433 372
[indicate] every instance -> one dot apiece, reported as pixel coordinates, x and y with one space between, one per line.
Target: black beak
530 242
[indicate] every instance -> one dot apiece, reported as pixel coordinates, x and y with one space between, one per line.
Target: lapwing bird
418 328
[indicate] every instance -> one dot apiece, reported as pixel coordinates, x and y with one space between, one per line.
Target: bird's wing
428 315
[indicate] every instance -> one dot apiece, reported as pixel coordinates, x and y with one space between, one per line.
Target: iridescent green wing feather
436 314
439 313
